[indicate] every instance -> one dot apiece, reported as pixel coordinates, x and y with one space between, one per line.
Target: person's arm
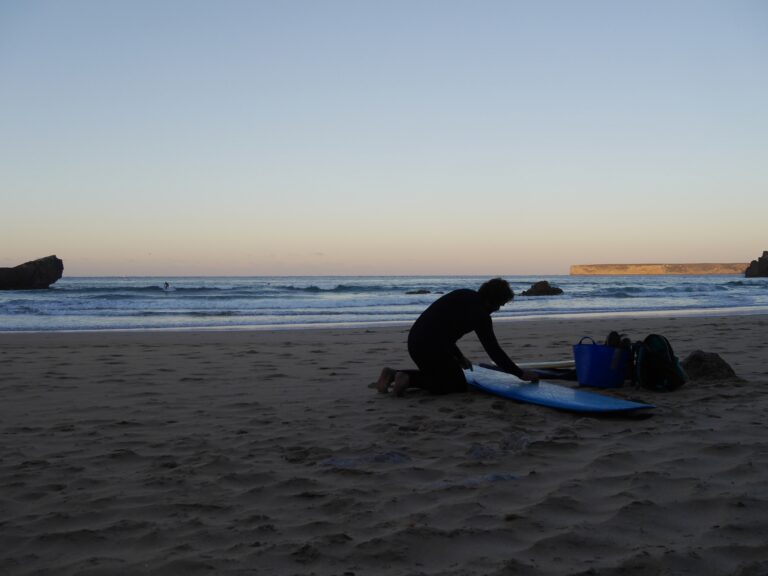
463 361
488 340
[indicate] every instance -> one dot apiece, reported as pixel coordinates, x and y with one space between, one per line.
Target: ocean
234 303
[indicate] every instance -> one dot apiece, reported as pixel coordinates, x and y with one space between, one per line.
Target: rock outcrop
39 273
656 269
700 365
758 268
542 288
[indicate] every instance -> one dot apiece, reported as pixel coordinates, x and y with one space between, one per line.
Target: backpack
656 366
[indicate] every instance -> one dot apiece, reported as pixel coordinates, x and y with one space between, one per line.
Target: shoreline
198 452
683 313
513 334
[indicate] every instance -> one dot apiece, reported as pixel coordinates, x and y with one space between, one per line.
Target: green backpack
656 366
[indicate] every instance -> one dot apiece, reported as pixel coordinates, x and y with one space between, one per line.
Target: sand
267 453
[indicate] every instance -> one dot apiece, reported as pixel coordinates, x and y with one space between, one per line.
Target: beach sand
267 453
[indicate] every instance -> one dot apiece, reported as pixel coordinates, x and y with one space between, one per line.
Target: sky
185 137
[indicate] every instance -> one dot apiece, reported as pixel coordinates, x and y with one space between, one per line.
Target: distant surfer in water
166 286
432 341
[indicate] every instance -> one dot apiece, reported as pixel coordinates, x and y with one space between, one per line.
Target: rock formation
700 365
656 269
542 288
39 273
758 268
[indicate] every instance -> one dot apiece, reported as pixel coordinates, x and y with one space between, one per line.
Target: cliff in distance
656 269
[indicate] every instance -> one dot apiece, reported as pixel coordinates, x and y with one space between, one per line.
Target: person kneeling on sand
432 341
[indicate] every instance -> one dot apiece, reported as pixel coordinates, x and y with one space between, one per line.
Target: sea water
294 302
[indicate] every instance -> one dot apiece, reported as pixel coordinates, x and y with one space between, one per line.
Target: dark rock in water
418 292
701 365
542 288
39 273
758 268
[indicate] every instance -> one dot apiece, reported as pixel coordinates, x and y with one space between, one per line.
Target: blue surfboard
546 393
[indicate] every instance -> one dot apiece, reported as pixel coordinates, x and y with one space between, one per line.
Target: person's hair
496 291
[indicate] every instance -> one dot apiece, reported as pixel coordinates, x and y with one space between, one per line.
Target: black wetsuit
432 341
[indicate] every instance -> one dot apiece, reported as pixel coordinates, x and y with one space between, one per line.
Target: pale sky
180 137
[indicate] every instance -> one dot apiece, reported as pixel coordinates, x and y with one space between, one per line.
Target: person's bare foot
385 379
402 381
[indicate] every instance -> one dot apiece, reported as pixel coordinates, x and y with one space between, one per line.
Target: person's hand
530 376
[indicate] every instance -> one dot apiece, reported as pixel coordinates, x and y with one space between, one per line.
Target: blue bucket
600 366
